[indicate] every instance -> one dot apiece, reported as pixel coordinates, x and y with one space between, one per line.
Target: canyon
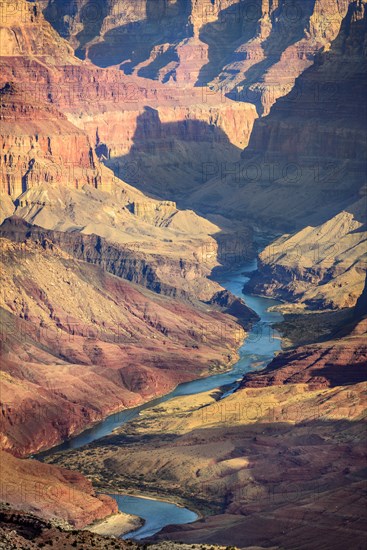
147 147
262 464
88 343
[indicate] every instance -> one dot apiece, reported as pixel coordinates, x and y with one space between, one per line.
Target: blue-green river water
256 352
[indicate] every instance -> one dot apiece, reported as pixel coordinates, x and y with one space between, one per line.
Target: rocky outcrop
306 160
148 209
234 306
277 42
361 306
25 33
51 492
20 530
318 267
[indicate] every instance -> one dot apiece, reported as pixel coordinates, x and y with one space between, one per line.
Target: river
256 352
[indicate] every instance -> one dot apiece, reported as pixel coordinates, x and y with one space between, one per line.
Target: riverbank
104 427
154 420
156 514
116 525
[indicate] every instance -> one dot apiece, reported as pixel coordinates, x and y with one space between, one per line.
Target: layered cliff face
53 146
40 146
110 108
306 160
196 132
252 51
199 132
50 170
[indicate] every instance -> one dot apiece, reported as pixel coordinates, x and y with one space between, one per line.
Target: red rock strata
335 363
52 492
79 343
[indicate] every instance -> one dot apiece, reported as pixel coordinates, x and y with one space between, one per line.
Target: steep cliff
39 146
306 160
319 267
252 51
169 140
25 33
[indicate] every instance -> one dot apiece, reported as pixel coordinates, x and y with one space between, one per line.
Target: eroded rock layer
319 267
252 51
79 343
306 160
113 110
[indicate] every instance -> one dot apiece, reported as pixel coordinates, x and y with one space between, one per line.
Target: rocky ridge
318 267
239 49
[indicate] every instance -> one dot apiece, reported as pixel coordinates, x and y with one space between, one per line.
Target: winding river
255 353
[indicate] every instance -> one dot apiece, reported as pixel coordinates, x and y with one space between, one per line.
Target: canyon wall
39 146
318 267
306 160
252 51
109 108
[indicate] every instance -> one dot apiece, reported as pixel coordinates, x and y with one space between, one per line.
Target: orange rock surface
51 492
